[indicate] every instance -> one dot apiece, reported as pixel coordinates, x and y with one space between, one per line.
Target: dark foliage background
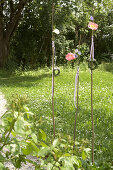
31 44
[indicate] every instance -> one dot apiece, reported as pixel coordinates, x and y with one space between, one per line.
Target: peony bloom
70 56
93 26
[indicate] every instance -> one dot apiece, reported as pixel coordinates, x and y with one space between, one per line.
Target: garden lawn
37 85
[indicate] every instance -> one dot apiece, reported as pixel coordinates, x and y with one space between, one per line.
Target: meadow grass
37 86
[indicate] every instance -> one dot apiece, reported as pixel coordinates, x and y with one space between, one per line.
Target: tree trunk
3 42
3 52
7 29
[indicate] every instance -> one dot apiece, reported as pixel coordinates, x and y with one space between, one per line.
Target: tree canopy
30 38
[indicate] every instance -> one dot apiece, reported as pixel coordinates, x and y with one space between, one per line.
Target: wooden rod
77 101
92 115
53 46
76 112
92 103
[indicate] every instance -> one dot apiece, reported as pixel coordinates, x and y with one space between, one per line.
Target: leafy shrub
19 139
15 130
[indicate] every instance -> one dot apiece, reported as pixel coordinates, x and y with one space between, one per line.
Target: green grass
38 86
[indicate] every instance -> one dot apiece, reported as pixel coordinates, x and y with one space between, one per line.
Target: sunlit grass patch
37 86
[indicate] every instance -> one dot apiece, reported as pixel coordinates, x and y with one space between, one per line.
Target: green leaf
15 115
26 151
30 148
83 155
49 166
67 163
87 150
34 137
43 144
75 161
26 109
66 155
55 142
13 133
29 113
19 125
34 146
67 168
2 166
2 159
15 149
43 152
42 134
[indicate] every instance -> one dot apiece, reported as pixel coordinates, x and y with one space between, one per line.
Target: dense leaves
31 44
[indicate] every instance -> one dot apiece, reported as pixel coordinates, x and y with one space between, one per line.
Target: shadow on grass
21 81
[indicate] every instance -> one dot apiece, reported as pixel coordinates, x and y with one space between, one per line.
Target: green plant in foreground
61 156
19 139
15 131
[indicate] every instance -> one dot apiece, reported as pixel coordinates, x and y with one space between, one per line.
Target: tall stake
77 98
92 115
92 63
53 47
76 107
92 57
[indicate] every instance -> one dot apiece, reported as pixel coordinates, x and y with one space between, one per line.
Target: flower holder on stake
69 57
76 102
93 26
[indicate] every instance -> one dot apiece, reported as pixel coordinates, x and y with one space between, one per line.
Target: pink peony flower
70 56
93 26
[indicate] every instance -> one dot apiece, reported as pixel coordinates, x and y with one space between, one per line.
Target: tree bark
4 46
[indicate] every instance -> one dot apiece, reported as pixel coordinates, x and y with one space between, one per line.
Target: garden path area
2 104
